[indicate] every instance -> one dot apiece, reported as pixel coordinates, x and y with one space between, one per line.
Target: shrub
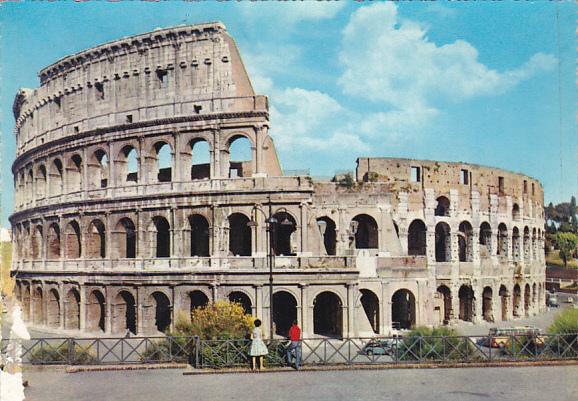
439 343
45 354
565 326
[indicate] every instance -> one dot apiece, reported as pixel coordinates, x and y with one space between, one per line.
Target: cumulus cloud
387 59
294 11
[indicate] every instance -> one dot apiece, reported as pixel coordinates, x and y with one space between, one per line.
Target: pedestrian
295 345
258 348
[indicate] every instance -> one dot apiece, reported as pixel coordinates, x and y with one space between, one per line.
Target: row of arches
73 174
443 209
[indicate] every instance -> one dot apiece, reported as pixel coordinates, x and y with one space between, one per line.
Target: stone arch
446 296
74 173
53 308
127 166
367 233
485 240
96 240
38 306
516 243
534 295
53 240
199 235
239 235
36 244
443 242
243 299
504 296
162 310
72 240
284 312
161 237
487 308
96 312
199 159
502 240
162 155
56 179
239 156
516 299
125 238
416 238
370 303
403 309
466 295
197 299
283 232
40 183
327 231
29 184
526 243
527 299
26 294
534 243
72 310
123 313
442 206
465 242
328 314
98 166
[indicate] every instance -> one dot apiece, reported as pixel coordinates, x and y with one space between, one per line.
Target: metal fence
320 351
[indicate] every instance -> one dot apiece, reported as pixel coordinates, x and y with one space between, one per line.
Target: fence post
197 345
71 351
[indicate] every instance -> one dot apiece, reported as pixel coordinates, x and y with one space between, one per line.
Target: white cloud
292 11
391 60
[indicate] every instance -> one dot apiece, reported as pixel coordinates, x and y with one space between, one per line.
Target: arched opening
534 244
442 206
29 186
41 182
326 228
504 302
37 243
96 244
53 309
98 169
283 232
197 299
534 295
485 240
72 310
465 242
74 174
502 240
73 245
239 235
403 309
200 159
416 238
487 309
55 178
370 303
327 315
162 237
527 295
445 294
53 241
516 299
125 238
26 295
516 243
240 157
199 235
515 212
123 313
242 299
162 308
163 162
526 243
443 243
126 166
366 235
466 295
38 306
95 311
284 312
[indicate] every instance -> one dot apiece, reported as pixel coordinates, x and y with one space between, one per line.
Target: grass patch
554 259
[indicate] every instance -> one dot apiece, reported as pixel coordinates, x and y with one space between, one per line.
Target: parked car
384 346
500 337
552 300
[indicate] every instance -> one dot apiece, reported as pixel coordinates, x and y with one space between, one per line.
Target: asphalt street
466 384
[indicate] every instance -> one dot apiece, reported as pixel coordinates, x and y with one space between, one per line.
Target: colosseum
132 205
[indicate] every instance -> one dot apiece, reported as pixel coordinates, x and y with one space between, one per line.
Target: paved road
471 384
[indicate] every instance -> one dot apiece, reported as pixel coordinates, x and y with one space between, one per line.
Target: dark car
384 346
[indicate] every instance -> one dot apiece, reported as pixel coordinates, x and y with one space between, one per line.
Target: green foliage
565 322
439 343
346 181
46 354
566 242
170 349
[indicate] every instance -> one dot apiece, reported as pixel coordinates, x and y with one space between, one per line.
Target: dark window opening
163 78
129 118
464 177
99 87
415 174
501 184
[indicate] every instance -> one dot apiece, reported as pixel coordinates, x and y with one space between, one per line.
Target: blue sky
482 82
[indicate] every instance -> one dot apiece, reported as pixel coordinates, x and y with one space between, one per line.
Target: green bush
565 326
45 354
566 322
439 343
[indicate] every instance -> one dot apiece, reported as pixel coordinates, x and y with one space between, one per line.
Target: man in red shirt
295 346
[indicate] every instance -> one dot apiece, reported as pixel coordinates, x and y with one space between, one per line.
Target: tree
566 242
573 220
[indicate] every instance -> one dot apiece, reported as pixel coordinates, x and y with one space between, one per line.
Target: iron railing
203 353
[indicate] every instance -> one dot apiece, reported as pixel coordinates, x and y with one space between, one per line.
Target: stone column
475 246
306 317
431 245
108 313
82 312
61 305
350 328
